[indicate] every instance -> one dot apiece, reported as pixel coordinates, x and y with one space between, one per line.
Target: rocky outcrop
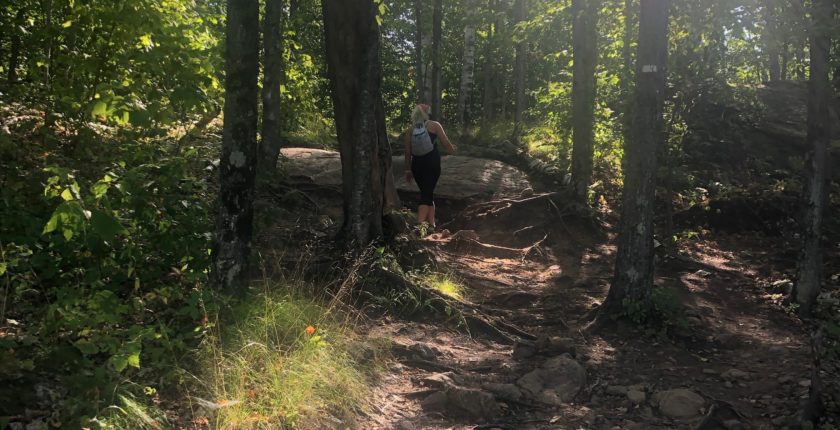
462 178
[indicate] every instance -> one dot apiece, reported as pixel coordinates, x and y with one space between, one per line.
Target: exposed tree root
468 316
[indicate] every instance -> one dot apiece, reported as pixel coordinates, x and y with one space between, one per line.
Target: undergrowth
105 310
280 358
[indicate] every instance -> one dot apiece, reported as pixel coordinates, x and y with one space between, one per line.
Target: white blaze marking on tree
237 158
650 68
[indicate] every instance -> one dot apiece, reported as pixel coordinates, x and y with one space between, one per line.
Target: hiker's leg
423 213
431 217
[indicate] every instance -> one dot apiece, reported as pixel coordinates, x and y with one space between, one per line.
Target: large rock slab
461 177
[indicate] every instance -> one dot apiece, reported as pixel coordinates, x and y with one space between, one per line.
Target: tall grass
445 283
285 360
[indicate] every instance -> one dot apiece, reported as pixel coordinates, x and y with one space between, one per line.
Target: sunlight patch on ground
446 284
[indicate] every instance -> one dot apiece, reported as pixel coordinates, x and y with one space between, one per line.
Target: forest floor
728 341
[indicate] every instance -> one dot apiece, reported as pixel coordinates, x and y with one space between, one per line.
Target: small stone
778 421
476 403
733 425
636 397
438 380
38 424
734 374
405 425
805 383
617 390
435 402
728 384
523 349
555 345
679 403
637 387
710 372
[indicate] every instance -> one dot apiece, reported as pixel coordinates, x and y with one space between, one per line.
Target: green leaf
69 217
120 362
86 346
134 360
99 109
105 225
2 269
67 195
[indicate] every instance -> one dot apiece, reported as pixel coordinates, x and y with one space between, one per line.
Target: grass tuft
446 284
285 360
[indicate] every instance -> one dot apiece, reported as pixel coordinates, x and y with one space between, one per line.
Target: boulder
461 177
557 381
476 404
435 402
504 391
679 403
636 397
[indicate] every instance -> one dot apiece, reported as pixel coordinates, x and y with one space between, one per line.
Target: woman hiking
422 159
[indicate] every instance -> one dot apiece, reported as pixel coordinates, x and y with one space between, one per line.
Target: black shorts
426 171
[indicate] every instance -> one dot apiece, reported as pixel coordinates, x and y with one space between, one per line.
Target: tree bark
420 78
809 268
273 78
488 111
467 69
633 278
14 53
354 69
437 31
519 72
585 45
771 44
234 228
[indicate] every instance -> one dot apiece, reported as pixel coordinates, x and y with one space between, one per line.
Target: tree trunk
427 69
633 278
809 273
467 69
239 146
488 111
585 45
354 69
273 78
14 54
500 79
519 70
771 45
420 78
437 30
783 68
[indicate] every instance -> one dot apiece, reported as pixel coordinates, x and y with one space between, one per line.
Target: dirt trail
729 346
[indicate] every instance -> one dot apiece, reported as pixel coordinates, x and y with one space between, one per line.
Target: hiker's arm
443 138
408 175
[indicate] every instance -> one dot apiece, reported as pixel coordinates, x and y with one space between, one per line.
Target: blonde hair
418 115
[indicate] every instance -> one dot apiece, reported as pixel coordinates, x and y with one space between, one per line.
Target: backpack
421 142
